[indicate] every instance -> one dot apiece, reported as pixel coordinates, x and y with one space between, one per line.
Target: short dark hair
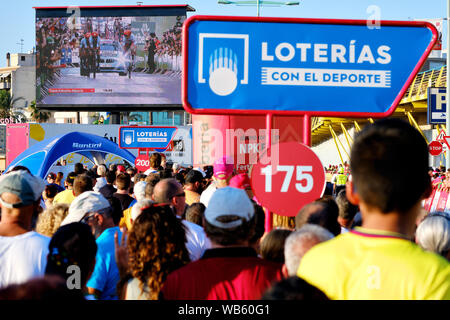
79 168
17 168
293 288
152 179
260 223
51 190
110 177
232 236
131 171
166 174
323 212
378 152
81 184
347 210
71 178
195 213
180 178
123 181
193 176
272 246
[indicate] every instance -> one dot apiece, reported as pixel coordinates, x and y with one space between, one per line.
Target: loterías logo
223 60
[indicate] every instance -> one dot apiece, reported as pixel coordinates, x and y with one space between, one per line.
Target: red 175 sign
296 179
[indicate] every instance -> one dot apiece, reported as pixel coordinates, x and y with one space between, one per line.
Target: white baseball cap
88 201
229 201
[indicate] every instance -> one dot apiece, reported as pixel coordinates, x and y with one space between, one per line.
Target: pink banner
429 201
442 201
434 204
17 136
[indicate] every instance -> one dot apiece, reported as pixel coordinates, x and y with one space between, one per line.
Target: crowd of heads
170 43
174 219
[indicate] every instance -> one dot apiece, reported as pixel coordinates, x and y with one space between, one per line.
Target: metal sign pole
447 95
269 215
307 129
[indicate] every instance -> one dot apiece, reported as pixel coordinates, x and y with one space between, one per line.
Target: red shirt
234 273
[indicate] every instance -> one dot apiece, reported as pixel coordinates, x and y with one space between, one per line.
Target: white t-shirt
207 193
196 240
100 183
22 257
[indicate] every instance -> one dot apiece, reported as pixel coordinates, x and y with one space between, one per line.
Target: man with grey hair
299 242
101 180
23 252
433 233
171 192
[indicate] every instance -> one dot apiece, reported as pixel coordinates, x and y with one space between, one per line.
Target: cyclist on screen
85 46
95 45
128 42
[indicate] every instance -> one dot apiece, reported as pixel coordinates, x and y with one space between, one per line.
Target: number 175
302 173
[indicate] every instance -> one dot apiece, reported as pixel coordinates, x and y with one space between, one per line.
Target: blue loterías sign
300 66
142 137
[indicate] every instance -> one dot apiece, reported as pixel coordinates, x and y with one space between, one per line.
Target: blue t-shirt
106 274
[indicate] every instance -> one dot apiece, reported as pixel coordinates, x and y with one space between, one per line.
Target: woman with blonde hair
50 220
156 247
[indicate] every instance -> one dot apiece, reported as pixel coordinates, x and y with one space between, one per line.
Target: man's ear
351 193
174 201
284 271
100 218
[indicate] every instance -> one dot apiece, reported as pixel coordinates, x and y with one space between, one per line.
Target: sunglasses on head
90 216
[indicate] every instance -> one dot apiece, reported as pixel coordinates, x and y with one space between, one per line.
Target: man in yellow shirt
379 260
67 195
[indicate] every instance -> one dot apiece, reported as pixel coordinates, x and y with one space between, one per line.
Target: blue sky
17 17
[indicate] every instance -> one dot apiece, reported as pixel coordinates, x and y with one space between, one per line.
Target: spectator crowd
176 233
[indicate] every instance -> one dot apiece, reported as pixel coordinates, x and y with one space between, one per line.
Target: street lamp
259 3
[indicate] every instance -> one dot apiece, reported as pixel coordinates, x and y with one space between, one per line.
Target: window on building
170 118
22 58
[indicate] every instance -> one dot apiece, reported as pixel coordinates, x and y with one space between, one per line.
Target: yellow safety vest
341 180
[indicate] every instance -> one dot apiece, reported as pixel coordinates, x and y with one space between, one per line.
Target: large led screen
108 61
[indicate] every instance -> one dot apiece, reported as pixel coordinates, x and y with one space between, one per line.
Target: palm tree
7 111
38 115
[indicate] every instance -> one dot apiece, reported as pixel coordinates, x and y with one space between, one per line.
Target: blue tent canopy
40 157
